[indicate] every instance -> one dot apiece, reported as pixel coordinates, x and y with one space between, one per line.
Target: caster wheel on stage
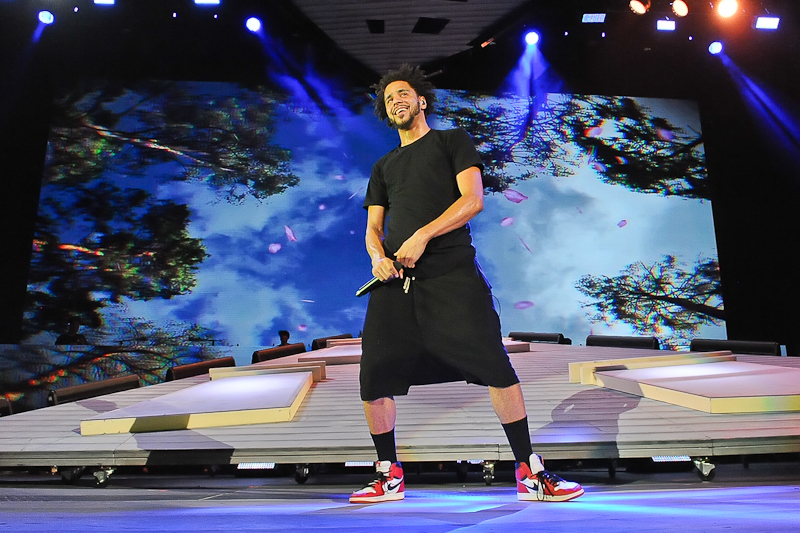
488 472
301 474
705 471
103 477
707 477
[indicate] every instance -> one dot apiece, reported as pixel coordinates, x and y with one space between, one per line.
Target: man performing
433 320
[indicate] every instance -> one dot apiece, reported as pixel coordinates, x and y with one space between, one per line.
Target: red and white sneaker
387 486
534 483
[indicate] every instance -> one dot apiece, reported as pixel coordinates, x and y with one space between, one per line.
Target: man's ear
423 103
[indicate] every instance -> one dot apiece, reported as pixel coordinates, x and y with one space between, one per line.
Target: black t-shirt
417 183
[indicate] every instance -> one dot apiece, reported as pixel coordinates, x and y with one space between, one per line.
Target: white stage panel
226 402
723 387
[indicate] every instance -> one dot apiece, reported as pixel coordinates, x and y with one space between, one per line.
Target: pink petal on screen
664 134
290 234
524 304
525 245
507 221
514 196
593 132
339 177
322 207
274 248
622 223
302 327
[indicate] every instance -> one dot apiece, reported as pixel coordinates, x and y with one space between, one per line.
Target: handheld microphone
374 283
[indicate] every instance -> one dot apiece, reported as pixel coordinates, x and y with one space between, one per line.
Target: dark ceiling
363 38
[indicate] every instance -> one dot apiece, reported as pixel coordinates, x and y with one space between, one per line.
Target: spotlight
665 25
727 8
680 8
45 17
253 24
640 7
207 2
256 466
531 38
767 23
104 2
715 48
593 18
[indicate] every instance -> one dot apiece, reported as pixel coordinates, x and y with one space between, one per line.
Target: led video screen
219 214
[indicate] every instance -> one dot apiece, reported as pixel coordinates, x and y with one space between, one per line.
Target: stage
447 422
760 499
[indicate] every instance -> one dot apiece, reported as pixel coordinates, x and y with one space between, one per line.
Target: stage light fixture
45 17
104 2
715 48
680 8
253 24
350 464
727 8
593 18
207 2
255 466
531 38
640 7
767 23
671 459
665 25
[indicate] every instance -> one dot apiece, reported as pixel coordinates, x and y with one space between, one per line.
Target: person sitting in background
284 335
72 336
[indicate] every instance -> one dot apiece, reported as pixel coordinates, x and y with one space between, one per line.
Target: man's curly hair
416 78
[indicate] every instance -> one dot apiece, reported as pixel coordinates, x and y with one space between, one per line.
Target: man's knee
380 401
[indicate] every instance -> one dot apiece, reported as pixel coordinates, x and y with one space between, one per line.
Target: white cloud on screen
224 300
572 226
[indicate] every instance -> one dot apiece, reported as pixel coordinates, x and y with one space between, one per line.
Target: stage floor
761 499
445 422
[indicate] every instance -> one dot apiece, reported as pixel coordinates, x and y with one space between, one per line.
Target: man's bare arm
382 266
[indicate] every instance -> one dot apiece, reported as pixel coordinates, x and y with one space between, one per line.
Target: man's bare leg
508 403
381 415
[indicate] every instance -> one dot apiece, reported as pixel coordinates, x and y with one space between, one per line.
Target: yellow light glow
727 8
640 7
680 8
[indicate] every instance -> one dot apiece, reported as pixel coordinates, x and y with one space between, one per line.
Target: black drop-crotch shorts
442 329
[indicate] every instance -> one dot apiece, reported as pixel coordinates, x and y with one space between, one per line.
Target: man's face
402 104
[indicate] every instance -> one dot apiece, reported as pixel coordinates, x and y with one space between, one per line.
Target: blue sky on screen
294 260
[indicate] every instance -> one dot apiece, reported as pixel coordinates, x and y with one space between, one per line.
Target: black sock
520 439
384 445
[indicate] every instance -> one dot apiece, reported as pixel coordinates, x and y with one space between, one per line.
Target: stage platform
447 422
